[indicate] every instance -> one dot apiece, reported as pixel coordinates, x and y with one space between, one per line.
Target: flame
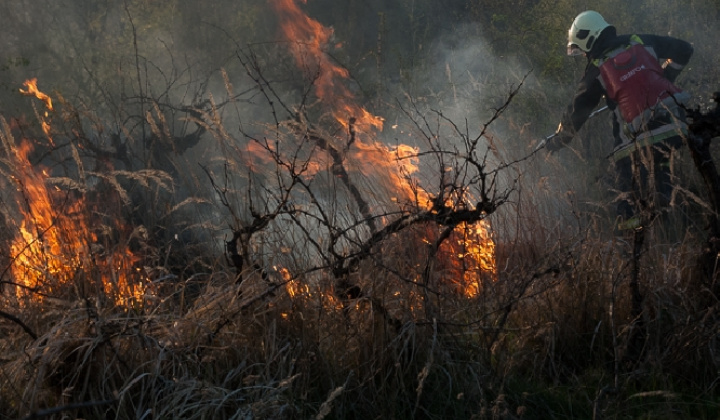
310 39
261 154
475 249
298 289
55 245
398 163
293 286
38 254
473 246
32 90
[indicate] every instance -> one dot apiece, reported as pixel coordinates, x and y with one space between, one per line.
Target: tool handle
544 141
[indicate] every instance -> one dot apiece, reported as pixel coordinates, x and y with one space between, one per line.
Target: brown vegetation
267 252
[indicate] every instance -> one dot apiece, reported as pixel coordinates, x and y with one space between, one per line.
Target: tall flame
309 42
310 39
55 245
474 249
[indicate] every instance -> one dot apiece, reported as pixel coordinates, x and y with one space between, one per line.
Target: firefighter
635 74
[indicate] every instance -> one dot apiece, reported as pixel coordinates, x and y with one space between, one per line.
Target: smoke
467 80
448 57
467 76
81 48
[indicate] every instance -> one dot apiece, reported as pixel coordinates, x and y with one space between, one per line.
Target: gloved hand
558 140
671 70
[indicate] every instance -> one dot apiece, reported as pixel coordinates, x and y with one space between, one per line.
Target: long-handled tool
544 141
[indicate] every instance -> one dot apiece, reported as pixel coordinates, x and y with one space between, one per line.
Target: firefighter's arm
589 93
672 70
675 53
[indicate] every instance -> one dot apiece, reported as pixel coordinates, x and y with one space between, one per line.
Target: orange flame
475 248
309 40
32 90
396 164
56 246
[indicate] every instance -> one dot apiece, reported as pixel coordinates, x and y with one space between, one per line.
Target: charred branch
442 216
297 121
338 167
19 322
237 250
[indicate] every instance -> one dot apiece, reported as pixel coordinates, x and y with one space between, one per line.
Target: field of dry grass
299 273
551 332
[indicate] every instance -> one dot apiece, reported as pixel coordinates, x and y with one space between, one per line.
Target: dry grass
534 347
546 337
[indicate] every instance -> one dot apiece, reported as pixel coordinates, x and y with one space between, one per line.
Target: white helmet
585 30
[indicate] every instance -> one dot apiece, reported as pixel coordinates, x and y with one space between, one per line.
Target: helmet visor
573 50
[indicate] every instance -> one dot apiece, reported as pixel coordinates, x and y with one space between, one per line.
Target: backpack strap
610 53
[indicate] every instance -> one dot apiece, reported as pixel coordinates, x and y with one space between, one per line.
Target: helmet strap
590 43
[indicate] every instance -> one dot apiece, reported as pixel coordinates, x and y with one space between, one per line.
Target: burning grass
329 307
524 346
57 241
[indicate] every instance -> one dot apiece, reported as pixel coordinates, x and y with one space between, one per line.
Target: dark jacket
590 91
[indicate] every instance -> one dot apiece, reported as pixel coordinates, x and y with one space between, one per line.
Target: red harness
634 79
